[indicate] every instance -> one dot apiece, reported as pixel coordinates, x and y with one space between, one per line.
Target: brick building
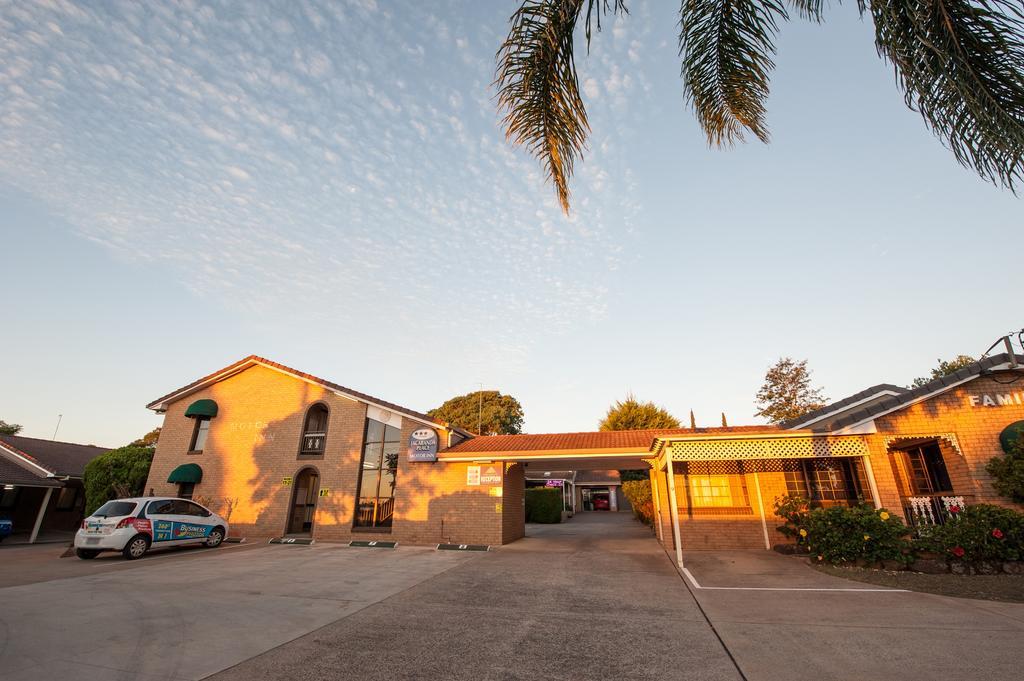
286 453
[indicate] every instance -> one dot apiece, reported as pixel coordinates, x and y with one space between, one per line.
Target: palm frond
812 10
727 48
960 64
538 89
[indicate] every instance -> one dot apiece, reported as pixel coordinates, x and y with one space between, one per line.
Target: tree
9 428
630 414
944 369
116 474
787 392
485 412
147 440
1008 472
725 424
959 63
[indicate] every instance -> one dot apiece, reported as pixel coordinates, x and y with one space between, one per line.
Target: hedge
543 505
638 492
116 474
978 532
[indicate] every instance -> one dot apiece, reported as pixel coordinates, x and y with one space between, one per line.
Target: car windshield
115 508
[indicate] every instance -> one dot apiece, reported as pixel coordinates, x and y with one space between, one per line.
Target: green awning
186 472
202 408
1010 434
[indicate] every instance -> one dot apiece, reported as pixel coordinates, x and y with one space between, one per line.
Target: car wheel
136 547
86 554
216 537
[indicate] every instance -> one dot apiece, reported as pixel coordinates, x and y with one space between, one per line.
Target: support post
657 505
673 507
760 508
39 516
870 472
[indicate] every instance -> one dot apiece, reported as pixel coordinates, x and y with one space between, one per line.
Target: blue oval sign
423 445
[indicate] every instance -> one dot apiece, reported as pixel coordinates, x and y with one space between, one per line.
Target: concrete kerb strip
696 585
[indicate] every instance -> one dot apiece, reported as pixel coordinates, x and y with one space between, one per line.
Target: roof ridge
58 442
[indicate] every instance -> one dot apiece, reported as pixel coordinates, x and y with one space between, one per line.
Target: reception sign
423 445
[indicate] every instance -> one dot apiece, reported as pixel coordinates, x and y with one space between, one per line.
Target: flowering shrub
978 532
842 534
793 510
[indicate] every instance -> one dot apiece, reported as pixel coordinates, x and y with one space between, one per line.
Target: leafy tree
147 440
485 412
787 392
116 474
9 428
1008 472
944 368
630 414
725 424
959 63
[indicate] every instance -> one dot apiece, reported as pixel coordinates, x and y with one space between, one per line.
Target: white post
613 498
673 508
657 504
39 516
760 508
871 481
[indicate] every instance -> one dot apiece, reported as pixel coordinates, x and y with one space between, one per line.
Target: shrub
793 511
1008 472
543 505
978 532
116 474
842 534
638 492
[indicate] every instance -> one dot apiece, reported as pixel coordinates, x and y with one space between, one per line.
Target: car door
193 522
162 513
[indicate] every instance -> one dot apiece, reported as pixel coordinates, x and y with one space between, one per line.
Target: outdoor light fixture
8 487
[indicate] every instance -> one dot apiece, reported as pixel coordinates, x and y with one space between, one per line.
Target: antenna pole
59 417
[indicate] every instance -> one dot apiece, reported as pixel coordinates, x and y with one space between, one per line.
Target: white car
133 526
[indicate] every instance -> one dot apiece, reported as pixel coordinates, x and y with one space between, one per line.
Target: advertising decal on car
169 530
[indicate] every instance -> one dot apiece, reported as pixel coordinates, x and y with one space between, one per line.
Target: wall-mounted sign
490 475
473 476
998 400
1010 435
552 483
423 445
325 491
286 481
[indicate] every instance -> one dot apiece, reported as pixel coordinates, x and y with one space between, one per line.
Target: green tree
787 392
484 412
959 63
116 474
693 421
9 428
147 440
1008 472
944 368
631 414
725 424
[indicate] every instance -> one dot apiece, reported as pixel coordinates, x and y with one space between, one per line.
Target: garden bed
1002 587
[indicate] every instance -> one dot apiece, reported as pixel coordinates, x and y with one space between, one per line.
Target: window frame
199 420
76 495
318 453
378 473
806 472
191 488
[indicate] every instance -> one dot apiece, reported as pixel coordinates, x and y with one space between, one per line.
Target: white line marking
696 585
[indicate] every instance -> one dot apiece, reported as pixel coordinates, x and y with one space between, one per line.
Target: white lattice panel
767 448
948 437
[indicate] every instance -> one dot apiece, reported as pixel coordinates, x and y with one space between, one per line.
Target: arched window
314 431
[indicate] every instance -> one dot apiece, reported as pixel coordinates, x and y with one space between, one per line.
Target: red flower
957 551
954 509
997 533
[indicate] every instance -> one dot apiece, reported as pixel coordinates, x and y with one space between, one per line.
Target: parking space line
696 585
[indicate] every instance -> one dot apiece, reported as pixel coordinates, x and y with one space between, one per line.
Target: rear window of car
113 509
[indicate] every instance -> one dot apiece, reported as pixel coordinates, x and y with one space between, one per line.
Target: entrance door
307 487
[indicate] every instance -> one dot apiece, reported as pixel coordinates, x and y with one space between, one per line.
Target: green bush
118 473
842 534
1008 472
543 505
793 510
978 532
638 492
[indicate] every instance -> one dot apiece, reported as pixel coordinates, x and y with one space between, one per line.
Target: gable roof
57 458
639 441
983 367
868 394
160 404
17 472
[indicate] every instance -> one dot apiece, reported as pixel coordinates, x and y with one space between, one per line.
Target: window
718 485
202 429
184 507
8 497
186 489
827 482
115 509
927 469
161 507
377 475
314 431
68 498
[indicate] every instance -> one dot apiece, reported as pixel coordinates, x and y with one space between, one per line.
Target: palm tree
960 63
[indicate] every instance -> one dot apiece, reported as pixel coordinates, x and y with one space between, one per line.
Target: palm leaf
727 48
538 89
960 64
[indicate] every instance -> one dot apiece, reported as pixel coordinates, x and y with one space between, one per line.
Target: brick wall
253 446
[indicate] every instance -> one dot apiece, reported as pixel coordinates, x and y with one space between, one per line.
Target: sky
328 185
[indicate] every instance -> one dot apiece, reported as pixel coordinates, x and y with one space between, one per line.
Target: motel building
286 454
